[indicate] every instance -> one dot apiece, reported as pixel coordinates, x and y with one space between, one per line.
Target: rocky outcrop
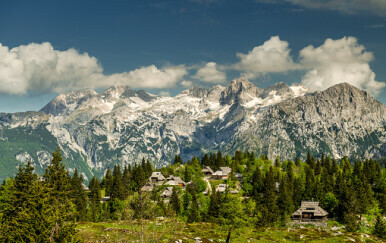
120 125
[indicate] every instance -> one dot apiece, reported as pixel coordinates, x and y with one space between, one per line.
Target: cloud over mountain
273 56
337 61
38 67
210 73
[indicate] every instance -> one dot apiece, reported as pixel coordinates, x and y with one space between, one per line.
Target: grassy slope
170 231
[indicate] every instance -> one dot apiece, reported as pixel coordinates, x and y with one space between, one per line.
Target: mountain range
121 126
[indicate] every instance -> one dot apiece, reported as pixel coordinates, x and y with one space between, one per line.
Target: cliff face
120 126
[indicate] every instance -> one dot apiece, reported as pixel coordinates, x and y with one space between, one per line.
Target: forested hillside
257 193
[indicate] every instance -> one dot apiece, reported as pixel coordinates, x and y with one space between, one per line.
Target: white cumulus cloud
186 83
41 68
337 61
150 77
210 73
273 56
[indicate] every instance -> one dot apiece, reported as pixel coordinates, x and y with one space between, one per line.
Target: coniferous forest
259 193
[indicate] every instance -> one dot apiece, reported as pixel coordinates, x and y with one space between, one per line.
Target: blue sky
49 47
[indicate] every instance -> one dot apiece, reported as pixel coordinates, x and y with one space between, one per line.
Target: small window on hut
310 208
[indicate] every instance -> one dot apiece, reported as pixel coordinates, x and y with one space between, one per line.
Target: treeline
268 193
34 209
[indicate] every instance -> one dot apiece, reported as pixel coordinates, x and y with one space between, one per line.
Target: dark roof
157 175
310 207
207 169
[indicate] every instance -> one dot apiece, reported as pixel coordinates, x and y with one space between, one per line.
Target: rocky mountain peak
121 91
239 91
66 103
280 89
344 93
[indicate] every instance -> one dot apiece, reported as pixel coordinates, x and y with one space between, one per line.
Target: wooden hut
309 212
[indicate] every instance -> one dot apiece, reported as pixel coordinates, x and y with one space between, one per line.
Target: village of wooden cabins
309 212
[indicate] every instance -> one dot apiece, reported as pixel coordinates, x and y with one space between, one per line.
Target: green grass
172 230
215 183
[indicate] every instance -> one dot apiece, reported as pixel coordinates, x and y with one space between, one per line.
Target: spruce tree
126 178
380 228
257 184
318 168
95 198
117 190
214 205
25 213
285 200
194 213
277 161
80 197
57 182
271 211
175 202
310 184
108 182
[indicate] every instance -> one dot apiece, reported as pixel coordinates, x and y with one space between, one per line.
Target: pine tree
257 184
298 161
57 181
310 184
126 178
177 160
285 201
205 160
277 161
310 161
334 167
271 212
194 214
318 168
117 191
175 202
215 203
108 182
95 199
79 195
380 228
187 174
25 213
148 169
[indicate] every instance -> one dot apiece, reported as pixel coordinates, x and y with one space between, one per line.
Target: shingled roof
207 169
310 207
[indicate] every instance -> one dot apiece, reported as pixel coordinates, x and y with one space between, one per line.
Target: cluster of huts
157 179
309 211
221 174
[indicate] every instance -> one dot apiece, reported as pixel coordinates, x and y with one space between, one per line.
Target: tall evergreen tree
215 204
277 161
194 213
25 214
79 195
285 201
310 184
175 202
95 198
126 179
257 184
270 213
57 182
117 191
108 182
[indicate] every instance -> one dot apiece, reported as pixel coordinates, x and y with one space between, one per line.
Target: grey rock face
120 126
65 104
